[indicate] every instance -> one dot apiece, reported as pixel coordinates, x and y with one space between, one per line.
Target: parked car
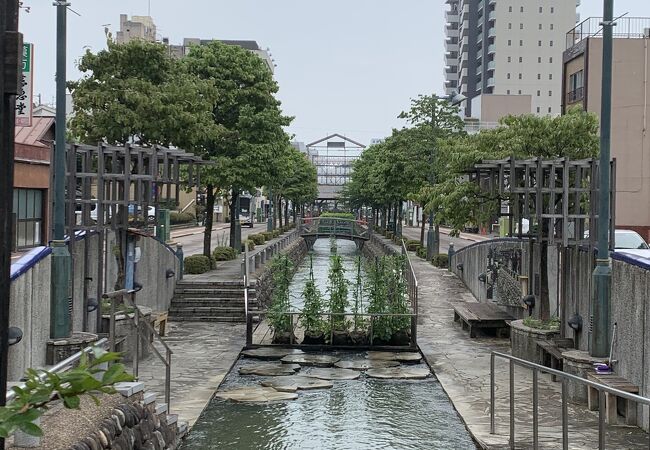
628 241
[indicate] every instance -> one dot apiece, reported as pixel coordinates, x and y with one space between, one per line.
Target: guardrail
565 377
412 287
256 259
166 360
64 365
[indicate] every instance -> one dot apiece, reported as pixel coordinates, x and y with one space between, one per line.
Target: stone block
127 389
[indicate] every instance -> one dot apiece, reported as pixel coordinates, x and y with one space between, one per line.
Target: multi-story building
507 47
139 27
630 145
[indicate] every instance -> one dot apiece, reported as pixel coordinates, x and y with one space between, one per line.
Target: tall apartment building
507 47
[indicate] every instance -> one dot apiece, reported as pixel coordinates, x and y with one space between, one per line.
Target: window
521 9
539 93
509 59
508 92
539 43
550 93
550 76
521 43
509 8
551 26
538 110
539 59
550 109
508 76
552 10
521 59
519 91
575 87
540 26
550 60
509 42
520 76
551 44
521 26
28 216
540 9
509 26
539 76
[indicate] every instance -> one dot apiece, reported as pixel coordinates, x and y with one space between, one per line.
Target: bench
473 316
611 400
159 321
551 352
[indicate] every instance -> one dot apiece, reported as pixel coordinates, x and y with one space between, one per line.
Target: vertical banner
24 100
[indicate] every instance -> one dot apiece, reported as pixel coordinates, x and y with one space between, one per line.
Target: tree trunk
295 215
234 215
279 211
286 213
209 215
424 221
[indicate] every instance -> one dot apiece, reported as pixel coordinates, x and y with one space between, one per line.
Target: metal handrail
166 360
63 365
537 368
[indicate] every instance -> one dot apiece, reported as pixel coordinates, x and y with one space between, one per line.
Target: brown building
581 86
32 182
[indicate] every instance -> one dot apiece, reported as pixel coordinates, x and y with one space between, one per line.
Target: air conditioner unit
646 32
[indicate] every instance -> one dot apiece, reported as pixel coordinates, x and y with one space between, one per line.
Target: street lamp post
61 260
602 275
269 220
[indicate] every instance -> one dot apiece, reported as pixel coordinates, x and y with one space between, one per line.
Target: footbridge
314 228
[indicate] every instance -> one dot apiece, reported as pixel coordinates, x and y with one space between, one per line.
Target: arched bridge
313 228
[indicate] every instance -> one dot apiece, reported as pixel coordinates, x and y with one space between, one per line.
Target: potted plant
338 292
311 313
279 317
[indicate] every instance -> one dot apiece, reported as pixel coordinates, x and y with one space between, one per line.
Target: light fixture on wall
14 335
482 277
575 322
91 304
170 273
460 266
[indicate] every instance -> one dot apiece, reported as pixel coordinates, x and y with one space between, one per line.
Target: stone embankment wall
134 424
296 251
630 311
376 248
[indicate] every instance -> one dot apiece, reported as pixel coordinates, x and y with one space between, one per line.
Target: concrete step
211 301
200 309
210 319
212 292
200 284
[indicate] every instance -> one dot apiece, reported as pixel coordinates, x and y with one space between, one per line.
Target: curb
193 233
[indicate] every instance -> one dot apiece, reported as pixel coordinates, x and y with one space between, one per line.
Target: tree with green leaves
250 119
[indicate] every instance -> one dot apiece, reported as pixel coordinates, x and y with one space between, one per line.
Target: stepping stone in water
334 374
269 369
270 353
366 364
403 373
311 360
407 357
256 394
292 384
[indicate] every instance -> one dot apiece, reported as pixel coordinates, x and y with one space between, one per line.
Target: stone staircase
214 301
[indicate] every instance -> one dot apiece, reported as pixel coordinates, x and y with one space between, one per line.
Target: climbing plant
338 292
378 299
357 309
282 270
313 303
396 292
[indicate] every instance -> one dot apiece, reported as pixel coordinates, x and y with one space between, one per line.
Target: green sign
27 57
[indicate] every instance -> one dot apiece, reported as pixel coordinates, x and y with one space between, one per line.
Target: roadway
459 242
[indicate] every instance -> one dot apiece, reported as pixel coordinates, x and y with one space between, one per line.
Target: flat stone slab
269 369
402 373
293 384
366 364
334 374
408 357
271 353
311 360
256 394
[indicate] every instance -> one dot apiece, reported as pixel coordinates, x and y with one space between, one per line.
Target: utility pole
270 222
61 260
433 233
10 56
602 275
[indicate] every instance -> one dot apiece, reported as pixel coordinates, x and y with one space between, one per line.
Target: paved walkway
463 367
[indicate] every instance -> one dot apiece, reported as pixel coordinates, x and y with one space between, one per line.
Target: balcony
492 2
492 32
490 82
492 15
491 65
451 32
492 48
575 96
451 16
450 45
479 70
479 86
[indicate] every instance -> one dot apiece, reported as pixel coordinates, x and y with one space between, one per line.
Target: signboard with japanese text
24 100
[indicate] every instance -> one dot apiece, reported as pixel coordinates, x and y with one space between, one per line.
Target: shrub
179 217
258 239
196 264
412 245
337 215
552 324
440 260
268 235
275 233
251 245
389 234
421 252
224 253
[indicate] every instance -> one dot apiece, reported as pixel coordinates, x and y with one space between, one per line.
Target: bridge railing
334 226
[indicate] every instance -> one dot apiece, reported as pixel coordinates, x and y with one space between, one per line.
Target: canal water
357 414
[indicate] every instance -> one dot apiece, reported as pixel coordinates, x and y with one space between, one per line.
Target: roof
34 135
336 135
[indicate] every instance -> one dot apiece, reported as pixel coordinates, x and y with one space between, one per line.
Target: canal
365 413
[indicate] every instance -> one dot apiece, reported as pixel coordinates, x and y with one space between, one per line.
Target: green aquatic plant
338 293
311 316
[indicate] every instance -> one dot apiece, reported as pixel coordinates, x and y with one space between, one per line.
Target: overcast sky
346 66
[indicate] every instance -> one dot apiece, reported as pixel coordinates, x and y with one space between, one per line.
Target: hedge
421 252
196 264
441 260
251 245
268 235
224 253
258 239
179 217
412 245
338 215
